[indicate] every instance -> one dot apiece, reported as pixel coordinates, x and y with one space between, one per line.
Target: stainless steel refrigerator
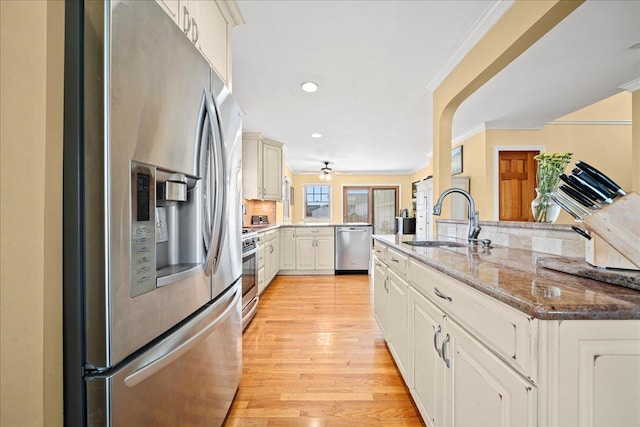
152 223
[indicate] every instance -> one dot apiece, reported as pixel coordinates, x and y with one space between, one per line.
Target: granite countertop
512 276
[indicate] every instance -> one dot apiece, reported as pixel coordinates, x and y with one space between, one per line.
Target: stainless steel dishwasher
353 249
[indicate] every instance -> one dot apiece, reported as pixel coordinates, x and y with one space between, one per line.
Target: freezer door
188 378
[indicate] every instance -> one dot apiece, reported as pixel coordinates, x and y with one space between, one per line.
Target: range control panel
143 229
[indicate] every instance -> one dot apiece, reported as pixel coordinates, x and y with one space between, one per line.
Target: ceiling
377 63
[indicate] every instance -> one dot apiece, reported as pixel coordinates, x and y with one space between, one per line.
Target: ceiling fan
326 172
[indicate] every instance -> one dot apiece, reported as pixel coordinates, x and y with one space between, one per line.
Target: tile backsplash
259 207
556 239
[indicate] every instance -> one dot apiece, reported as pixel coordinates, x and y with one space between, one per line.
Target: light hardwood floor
314 356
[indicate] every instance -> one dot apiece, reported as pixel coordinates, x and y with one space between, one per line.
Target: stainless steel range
249 276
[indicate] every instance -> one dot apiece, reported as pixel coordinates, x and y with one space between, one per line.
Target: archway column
518 29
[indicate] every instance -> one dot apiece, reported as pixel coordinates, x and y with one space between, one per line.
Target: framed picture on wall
456 160
414 189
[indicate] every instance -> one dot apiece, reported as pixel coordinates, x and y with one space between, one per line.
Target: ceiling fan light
322 177
309 87
328 177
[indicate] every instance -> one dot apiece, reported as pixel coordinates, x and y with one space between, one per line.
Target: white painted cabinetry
271 255
380 295
207 23
315 249
390 301
287 248
262 284
262 168
472 360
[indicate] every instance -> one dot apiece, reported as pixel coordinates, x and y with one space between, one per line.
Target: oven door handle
249 253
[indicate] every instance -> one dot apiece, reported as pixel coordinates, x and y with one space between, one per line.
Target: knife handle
599 176
572 182
579 173
575 195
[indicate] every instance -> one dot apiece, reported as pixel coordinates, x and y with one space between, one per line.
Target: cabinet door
397 320
251 166
272 172
598 381
275 257
380 295
268 261
211 33
479 388
305 253
325 259
262 284
287 249
425 362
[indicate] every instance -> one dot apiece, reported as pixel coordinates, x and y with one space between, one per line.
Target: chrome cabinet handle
447 361
436 333
196 32
385 284
394 259
186 20
441 295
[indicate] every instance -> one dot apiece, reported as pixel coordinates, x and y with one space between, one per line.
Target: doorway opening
377 205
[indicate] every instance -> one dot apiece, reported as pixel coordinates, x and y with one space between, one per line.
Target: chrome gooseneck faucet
474 216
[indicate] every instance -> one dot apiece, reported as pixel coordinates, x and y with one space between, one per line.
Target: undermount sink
435 244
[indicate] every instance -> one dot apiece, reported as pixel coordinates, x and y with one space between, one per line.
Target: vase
544 208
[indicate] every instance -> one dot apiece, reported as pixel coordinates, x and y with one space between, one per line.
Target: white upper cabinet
207 23
262 168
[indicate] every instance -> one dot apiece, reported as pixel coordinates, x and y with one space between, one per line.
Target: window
317 202
373 205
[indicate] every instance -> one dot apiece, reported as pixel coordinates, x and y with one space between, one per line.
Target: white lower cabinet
470 360
397 320
314 253
380 294
479 388
425 358
287 248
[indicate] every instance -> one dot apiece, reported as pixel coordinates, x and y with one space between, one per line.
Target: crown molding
632 86
486 21
592 122
514 125
231 12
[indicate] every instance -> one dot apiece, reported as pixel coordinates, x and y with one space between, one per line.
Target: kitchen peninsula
484 336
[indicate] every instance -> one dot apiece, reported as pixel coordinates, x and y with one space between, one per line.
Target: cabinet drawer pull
447 361
394 259
435 340
441 295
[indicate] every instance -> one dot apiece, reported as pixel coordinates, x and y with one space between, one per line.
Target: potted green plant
550 167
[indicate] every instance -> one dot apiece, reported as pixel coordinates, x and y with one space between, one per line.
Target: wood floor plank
314 356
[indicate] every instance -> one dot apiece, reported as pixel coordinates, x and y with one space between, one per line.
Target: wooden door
517 183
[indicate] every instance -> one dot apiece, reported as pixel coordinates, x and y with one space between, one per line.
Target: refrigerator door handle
212 214
181 348
221 167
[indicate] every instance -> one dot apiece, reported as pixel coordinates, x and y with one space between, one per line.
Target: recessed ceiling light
316 135
309 86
